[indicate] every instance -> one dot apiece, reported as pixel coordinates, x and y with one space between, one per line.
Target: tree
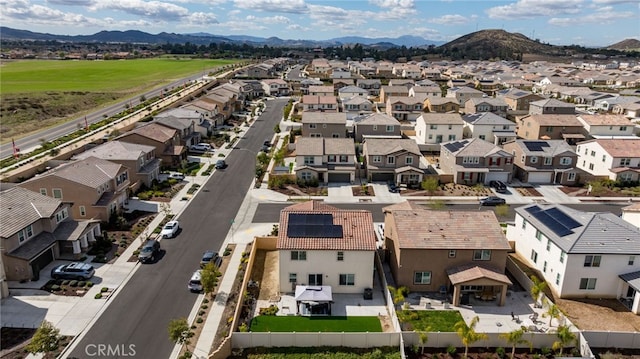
430 184
565 336
514 338
423 337
180 332
398 294
537 289
468 334
553 312
46 339
209 277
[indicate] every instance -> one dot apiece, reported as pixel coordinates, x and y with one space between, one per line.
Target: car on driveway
392 187
170 229
499 186
492 201
221 164
201 148
210 256
77 271
149 252
176 176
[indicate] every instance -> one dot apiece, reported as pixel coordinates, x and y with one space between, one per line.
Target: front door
315 279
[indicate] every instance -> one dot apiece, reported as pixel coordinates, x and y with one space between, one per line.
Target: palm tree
514 338
423 336
553 312
565 336
398 294
537 289
467 333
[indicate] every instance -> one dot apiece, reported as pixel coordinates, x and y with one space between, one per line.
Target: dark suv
149 252
499 186
210 256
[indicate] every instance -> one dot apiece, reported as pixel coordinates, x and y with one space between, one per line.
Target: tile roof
154 131
310 146
486 118
624 147
407 100
606 120
179 112
441 100
357 226
378 118
468 273
555 120
551 103
324 117
116 150
556 147
339 146
21 207
385 146
428 229
442 118
91 171
318 146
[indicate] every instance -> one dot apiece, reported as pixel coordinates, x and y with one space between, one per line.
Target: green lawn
265 323
433 320
101 76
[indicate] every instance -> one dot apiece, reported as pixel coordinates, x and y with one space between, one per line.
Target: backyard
429 320
267 323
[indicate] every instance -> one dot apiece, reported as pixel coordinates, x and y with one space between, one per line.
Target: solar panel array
554 219
455 146
313 226
535 145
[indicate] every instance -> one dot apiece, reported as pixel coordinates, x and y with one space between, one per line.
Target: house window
548 244
632 260
293 277
557 278
562 257
347 279
324 125
623 128
590 166
452 253
21 236
315 279
604 158
315 135
391 160
452 137
544 267
57 193
549 129
308 160
433 127
534 159
471 160
390 128
377 159
298 255
625 177
571 176
422 278
625 161
593 153
332 158
335 135
482 255
548 161
538 235
565 161
534 256
375 127
313 126
482 137
524 224
588 283
83 211
523 159
43 191
343 158
340 256
430 136
592 261
408 160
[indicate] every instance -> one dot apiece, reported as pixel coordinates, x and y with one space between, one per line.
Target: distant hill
407 40
487 44
626 45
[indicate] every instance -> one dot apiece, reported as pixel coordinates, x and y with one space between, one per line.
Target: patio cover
318 294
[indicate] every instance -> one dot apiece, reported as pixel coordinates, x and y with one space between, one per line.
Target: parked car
170 229
210 256
77 271
221 164
201 148
265 149
499 186
267 143
195 283
392 187
149 252
492 201
177 176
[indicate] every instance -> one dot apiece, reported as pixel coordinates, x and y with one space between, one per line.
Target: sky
558 22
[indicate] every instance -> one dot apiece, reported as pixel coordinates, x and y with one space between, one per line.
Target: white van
195 283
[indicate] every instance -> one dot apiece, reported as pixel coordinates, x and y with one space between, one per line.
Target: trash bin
464 299
368 293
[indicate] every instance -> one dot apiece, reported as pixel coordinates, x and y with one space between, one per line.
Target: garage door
41 261
339 177
382 177
497 176
540 177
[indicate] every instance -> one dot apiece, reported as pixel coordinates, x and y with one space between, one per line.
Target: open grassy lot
39 94
266 323
431 320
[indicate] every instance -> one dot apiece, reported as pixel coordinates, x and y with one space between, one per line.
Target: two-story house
441 105
551 127
372 86
606 125
404 108
325 247
463 94
395 91
616 159
489 104
550 161
352 91
489 127
96 187
393 159
340 83
307 83
473 160
321 90
428 91
185 129
325 159
518 100
458 252
275 87
164 139
202 124
324 124
376 125
551 107
35 229
579 254
434 128
356 106
140 159
208 109
319 103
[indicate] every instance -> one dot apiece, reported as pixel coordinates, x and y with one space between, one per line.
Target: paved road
295 73
157 293
270 212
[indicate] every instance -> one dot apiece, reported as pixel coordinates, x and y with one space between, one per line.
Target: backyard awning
321 293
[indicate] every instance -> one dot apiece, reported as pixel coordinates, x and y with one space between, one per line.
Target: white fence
608 339
351 340
445 339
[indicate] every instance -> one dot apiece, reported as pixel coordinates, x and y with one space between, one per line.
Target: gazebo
492 280
313 300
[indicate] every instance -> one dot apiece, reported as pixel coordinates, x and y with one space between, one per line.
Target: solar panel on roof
314 231
533 209
310 218
535 146
563 218
552 224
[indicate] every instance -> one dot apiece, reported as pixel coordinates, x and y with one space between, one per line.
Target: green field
265 323
29 76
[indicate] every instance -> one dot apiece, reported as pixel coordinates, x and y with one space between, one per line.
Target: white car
177 176
170 229
201 148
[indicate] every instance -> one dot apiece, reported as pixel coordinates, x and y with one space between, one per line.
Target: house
550 161
351 91
463 94
489 127
202 125
325 159
258 71
606 125
319 103
97 188
324 124
434 128
225 105
35 229
371 85
404 108
550 127
441 105
140 159
617 159
631 214
185 129
306 83
164 139
321 90
356 106
488 86
340 83
396 91
458 252
393 159
320 245
518 100
408 83
489 104
208 109
377 125
579 254
630 110
275 87
551 107
473 160
428 91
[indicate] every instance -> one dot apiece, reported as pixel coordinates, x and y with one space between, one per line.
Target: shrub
451 350
199 320
204 306
500 352
73 283
98 296
201 312
55 288
89 284
82 283
205 300
271 310
104 289
65 282
545 351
